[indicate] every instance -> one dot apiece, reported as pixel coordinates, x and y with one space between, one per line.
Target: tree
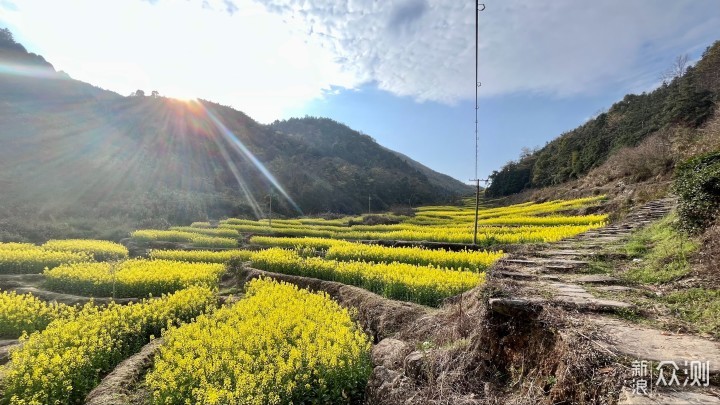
138 93
6 36
155 94
678 69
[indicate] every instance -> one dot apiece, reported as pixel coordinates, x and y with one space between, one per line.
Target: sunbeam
34 71
241 148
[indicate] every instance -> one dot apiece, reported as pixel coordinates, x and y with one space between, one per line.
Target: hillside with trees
685 101
90 162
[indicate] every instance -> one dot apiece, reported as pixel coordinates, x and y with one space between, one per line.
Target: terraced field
254 340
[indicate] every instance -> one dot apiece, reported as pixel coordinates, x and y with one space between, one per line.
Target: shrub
697 183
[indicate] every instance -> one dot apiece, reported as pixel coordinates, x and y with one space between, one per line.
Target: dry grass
477 356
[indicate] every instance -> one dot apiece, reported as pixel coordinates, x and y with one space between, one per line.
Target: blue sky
401 71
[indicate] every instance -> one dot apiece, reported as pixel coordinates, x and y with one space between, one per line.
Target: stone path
560 275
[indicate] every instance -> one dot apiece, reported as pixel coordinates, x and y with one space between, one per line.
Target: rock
615 288
387 386
646 343
597 279
515 307
390 353
5 346
415 364
684 397
517 275
585 303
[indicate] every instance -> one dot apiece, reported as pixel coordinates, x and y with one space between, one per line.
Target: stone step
615 288
644 343
582 303
682 396
544 261
551 277
598 279
566 252
560 267
516 275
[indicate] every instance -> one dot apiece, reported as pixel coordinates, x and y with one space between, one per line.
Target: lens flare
39 72
242 149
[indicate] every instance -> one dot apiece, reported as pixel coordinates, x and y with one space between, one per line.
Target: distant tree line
686 98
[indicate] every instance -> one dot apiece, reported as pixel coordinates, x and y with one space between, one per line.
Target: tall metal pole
270 216
477 107
369 199
477 208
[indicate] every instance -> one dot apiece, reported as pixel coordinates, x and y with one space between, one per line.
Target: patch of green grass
598 267
698 306
664 250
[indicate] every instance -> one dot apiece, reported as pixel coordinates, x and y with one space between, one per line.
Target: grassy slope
665 260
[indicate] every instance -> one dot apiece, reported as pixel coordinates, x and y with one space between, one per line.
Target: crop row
196 239
24 313
34 259
217 232
204 256
422 284
26 258
132 278
462 260
278 345
61 364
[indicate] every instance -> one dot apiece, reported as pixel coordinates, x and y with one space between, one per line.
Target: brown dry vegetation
473 355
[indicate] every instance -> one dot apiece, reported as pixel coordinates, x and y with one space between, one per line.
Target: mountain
672 114
410 178
451 184
76 157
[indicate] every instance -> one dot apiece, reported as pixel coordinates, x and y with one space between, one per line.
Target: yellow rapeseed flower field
422 284
31 259
462 260
196 239
25 313
278 345
101 250
132 278
202 256
61 364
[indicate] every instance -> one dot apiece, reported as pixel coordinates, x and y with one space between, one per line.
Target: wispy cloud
228 6
268 57
425 49
8 4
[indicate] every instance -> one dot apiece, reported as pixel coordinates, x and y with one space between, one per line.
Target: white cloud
258 57
425 48
233 53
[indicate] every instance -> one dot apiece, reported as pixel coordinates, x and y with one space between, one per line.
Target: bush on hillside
697 183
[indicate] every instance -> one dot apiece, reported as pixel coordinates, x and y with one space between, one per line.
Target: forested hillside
685 100
84 158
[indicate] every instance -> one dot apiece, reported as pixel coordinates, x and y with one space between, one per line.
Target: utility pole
477 107
369 199
270 214
477 208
